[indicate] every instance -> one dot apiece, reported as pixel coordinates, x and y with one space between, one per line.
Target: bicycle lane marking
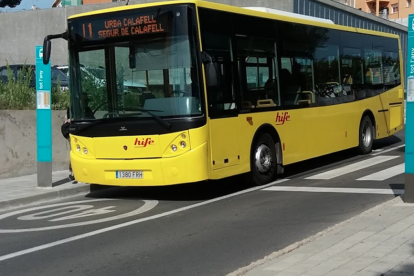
129 223
147 206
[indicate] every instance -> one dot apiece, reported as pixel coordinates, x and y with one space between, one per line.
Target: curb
47 195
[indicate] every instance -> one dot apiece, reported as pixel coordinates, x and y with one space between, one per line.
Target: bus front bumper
191 166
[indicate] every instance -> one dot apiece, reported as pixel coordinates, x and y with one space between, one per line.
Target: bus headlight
83 147
179 145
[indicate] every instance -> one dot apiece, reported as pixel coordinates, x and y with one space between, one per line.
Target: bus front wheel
263 160
366 135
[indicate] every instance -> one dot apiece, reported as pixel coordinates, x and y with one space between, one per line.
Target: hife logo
143 142
282 117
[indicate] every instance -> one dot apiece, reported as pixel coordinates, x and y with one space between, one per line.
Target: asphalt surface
198 229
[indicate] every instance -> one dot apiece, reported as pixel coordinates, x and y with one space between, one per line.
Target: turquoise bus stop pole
409 124
43 120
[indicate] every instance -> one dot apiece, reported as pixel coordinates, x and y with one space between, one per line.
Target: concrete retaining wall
18 155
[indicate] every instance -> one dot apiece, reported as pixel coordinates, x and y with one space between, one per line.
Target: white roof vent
290 14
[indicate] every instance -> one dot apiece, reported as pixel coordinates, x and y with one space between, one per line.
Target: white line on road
388 150
352 167
335 190
114 227
385 174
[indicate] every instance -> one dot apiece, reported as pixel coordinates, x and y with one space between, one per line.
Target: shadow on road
386 142
215 188
397 188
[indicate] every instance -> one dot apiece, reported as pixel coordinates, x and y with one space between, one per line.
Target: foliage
16 93
96 94
10 3
60 99
131 101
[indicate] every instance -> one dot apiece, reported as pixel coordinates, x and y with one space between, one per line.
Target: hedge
16 94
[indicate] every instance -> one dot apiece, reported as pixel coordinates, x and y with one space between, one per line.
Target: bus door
392 102
223 113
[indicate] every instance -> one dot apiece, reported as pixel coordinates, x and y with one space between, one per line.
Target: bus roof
290 14
252 11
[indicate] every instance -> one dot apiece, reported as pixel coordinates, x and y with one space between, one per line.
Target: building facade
388 9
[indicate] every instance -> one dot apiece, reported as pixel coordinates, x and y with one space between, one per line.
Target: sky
27 5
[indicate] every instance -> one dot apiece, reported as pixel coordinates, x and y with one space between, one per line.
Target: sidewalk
378 242
23 190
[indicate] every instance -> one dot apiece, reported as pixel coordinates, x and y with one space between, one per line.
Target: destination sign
120 26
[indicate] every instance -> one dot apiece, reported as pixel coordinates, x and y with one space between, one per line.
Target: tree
10 3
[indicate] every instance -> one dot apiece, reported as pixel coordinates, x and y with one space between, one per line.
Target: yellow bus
194 90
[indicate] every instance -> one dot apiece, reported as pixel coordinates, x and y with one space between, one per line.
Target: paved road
197 229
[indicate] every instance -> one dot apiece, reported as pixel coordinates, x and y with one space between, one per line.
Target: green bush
60 99
96 93
17 94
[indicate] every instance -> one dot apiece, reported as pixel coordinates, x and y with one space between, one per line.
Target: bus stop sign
43 120
409 124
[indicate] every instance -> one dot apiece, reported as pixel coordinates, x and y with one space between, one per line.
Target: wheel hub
263 158
366 135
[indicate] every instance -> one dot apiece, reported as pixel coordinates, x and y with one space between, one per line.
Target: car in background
57 76
133 86
94 74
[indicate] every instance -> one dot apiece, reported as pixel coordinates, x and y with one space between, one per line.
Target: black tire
265 170
366 135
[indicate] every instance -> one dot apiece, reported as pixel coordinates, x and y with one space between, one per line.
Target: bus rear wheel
263 160
366 135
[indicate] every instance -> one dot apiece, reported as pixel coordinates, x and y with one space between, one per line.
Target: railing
381 14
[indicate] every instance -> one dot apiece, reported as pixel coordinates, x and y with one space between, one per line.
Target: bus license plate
129 174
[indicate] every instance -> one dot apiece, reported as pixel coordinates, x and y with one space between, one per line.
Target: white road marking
388 150
125 224
148 205
385 174
335 190
69 212
352 167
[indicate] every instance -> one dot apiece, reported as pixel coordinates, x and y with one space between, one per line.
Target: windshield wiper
156 118
86 124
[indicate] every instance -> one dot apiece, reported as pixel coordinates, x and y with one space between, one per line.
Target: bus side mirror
213 74
46 50
47 46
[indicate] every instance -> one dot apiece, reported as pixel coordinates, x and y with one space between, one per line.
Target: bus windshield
153 72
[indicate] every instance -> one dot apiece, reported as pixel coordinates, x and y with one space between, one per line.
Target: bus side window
256 62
